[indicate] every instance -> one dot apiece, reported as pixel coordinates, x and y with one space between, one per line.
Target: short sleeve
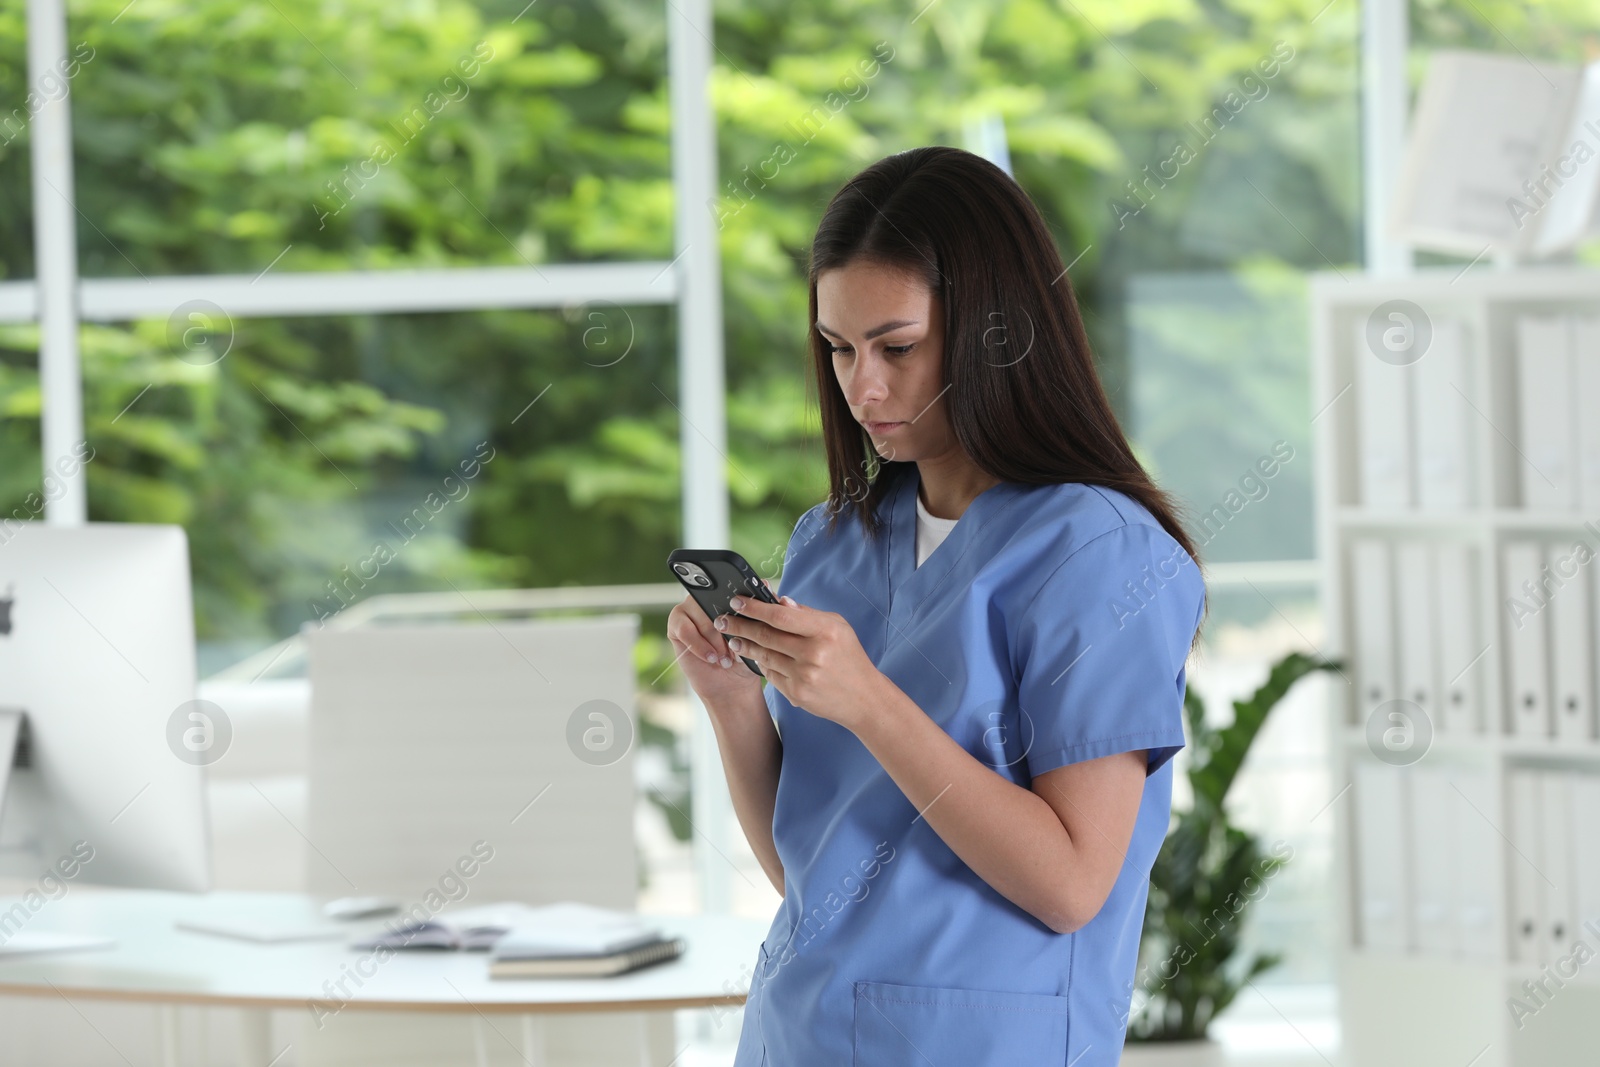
1100 650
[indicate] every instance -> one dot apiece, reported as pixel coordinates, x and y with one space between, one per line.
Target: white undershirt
931 530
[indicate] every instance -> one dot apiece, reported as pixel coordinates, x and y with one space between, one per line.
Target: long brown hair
1025 400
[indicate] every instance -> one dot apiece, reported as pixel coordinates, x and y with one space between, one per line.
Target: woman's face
887 333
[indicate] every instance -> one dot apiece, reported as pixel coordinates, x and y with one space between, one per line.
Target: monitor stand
14 747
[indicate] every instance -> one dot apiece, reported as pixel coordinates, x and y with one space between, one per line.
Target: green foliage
1206 875
208 137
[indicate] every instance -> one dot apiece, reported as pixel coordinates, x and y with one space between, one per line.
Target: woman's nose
866 384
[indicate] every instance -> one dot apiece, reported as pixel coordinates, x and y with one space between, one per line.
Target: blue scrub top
1051 626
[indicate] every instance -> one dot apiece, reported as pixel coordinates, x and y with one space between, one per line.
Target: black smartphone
713 576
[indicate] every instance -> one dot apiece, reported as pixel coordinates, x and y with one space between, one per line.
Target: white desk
157 963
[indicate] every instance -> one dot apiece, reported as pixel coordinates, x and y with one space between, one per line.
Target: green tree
207 136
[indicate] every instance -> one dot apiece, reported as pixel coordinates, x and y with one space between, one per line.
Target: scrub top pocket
752 1047
932 1026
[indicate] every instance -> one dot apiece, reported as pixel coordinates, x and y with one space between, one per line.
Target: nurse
958 772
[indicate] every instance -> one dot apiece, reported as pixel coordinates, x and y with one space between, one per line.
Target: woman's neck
948 486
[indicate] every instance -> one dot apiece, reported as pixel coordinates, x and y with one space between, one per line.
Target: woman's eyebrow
875 331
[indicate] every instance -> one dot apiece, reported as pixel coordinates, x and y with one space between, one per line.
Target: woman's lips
881 427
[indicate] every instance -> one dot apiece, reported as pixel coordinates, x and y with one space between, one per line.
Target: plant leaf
1213 778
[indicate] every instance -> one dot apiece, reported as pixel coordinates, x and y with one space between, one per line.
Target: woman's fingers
715 649
691 628
691 607
684 633
760 633
785 616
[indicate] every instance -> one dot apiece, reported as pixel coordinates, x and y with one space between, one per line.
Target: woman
958 775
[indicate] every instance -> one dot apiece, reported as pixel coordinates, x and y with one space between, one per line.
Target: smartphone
713 576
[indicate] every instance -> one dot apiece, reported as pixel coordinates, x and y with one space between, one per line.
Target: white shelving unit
1405 1007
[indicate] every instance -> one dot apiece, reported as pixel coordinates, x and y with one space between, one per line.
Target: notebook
507 963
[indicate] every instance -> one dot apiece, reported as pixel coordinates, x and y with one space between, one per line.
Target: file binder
1461 651
1444 475
1584 794
1527 894
1433 848
1374 642
1383 412
1380 804
1414 587
1555 858
1524 622
1571 646
1452 845
1545 408
1586 394
1477 846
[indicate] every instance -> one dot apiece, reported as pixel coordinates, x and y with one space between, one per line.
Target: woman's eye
894 350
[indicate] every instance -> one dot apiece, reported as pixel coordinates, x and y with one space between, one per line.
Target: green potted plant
1204 879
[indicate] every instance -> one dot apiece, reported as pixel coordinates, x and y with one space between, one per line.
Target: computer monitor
97 649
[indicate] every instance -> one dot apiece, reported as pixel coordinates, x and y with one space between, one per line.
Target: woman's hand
813 657
701 652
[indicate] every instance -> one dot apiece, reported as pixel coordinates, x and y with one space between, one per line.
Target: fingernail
735 644
726 662
736 603
721 623
711 657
